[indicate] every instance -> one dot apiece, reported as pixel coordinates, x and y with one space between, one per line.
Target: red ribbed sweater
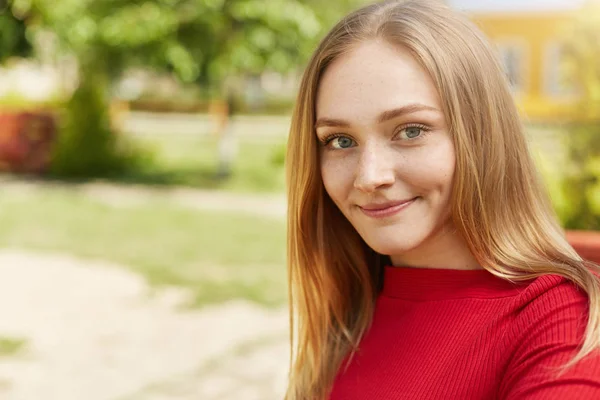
461 335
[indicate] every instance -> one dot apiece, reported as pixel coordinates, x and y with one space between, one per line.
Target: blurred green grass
193 161
10 345
217 255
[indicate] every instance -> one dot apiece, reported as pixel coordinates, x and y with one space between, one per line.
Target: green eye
413 132
342 142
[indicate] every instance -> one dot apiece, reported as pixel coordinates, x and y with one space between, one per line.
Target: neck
444 249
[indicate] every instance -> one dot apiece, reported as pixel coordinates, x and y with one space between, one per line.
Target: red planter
586 243
25 141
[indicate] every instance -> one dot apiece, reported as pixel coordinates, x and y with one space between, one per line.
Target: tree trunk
228 146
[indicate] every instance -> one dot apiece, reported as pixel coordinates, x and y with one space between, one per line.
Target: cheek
432 170
447 166
338 178
442 176
444 170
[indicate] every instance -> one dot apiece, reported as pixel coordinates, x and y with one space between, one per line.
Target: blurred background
142 205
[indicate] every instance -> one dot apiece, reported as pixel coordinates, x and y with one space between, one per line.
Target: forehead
371 78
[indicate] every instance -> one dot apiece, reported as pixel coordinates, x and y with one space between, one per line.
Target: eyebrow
383 117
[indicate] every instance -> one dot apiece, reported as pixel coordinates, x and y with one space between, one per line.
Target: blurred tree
267 38
13 42
201 41
582 69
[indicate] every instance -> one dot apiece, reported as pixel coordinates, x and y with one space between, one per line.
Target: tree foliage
200 41
13 40
582 69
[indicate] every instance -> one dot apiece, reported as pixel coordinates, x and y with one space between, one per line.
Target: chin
395 247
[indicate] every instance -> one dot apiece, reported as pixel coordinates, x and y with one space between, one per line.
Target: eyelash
424 128
327 139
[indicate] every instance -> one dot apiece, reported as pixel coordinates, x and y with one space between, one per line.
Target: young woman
425 261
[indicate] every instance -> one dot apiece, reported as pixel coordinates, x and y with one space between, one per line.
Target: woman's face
387 158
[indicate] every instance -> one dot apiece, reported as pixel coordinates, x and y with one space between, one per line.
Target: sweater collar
440 284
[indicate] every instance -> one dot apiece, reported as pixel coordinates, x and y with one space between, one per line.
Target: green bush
581 68
581 184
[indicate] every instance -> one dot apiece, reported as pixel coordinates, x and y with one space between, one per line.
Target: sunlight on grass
10 346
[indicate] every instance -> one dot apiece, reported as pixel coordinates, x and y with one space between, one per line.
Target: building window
555 84
512 56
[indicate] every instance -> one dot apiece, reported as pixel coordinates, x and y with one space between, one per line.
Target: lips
382 210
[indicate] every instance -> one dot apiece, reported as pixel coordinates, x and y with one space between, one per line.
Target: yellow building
527 35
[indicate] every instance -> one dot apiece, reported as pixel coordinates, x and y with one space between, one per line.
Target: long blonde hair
498 202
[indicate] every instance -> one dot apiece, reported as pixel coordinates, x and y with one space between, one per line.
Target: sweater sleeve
548 333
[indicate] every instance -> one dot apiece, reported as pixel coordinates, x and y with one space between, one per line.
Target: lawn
192 161
10 346
217 255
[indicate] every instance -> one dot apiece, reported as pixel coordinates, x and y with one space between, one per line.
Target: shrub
581 185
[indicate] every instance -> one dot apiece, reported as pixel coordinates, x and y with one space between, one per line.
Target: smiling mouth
388 209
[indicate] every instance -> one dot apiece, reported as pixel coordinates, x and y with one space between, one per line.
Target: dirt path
96 331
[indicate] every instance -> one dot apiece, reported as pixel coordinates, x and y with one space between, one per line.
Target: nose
375 170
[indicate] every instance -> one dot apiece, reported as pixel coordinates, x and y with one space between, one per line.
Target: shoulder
551 294
545 284
550 320
551 310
